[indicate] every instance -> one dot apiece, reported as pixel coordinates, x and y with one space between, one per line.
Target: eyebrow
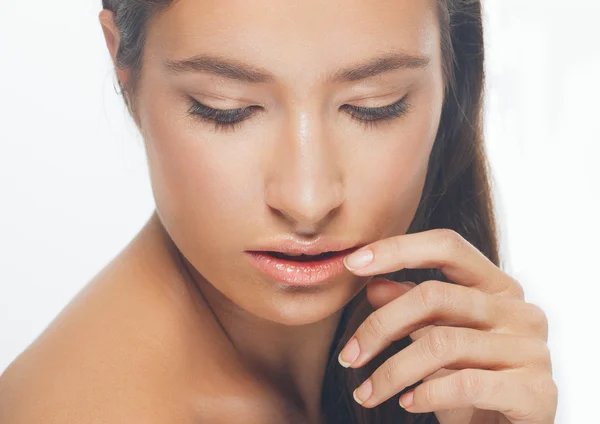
241 71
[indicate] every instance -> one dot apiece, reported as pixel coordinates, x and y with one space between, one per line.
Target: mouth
300 269
302 257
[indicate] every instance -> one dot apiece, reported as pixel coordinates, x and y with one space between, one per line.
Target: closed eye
370 116
230 119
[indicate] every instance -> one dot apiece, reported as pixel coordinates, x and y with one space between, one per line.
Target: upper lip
292 246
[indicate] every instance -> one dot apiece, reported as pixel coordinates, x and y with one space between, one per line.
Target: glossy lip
300 273
292 246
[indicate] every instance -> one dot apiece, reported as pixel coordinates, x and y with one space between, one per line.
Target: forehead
296 39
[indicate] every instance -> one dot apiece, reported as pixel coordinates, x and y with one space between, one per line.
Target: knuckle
470 384
438 342
391 372
544 386
538 320
543 392
434 294
519 290
396 244
429 393
514 290
375 326
541 354
451 241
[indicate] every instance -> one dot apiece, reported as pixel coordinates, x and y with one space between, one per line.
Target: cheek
391 193
200 186
390 176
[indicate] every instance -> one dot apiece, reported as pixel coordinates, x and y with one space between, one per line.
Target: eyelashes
223 119
371 116
231 119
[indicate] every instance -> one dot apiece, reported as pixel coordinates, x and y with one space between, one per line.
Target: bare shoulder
123 350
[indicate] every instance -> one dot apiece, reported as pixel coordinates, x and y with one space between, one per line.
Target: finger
444 249
431 302
437 303
521 397
455 349
381 291
523 319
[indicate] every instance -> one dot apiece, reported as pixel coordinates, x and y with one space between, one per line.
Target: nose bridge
306 180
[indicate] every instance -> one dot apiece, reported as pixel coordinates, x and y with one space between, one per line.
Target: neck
290 359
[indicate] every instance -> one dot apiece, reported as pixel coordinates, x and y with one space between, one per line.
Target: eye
369 116
230 119
223 119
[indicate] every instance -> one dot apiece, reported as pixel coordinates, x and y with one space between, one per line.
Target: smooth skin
210 339
479 347
137 345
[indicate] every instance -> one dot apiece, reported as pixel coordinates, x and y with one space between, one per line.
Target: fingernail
349 353
363 393
406 400
358 259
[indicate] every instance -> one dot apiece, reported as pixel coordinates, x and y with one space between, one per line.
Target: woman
274 129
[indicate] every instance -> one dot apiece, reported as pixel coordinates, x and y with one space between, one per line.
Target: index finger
445 249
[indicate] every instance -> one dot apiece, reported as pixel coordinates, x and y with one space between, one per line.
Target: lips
301 257
300 270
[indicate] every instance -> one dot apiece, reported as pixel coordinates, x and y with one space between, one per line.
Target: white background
74 187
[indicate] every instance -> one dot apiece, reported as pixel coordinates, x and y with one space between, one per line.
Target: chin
305 305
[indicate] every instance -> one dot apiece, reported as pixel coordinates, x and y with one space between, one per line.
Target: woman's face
299 165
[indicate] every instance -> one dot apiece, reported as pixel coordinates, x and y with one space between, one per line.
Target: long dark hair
457 192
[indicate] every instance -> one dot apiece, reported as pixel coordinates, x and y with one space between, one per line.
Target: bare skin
145 340
135 345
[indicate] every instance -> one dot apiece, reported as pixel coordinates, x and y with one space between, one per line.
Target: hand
479 348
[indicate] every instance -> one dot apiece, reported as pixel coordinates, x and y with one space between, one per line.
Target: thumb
381 291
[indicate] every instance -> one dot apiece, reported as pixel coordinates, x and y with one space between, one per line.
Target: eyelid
227 119
254 104
398 106
245 108
376 99
378 108
224 109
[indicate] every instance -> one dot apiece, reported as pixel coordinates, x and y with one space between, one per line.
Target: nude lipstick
300 270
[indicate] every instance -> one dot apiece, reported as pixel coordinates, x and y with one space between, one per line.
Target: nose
305 183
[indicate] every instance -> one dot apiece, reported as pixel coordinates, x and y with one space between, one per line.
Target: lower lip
300 273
